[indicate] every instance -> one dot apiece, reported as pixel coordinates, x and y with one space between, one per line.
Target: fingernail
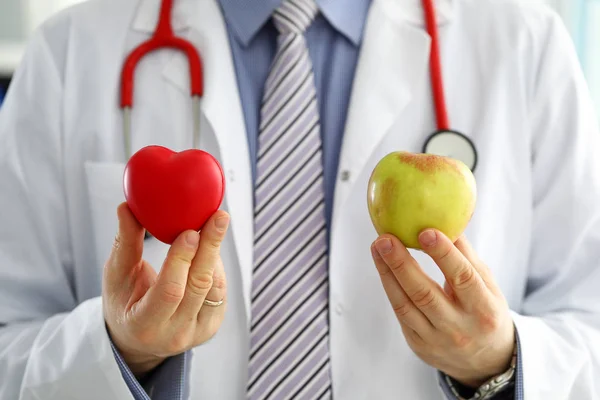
384 246
192 238
428 238
221 223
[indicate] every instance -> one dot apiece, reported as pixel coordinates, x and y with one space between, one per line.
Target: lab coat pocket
105 190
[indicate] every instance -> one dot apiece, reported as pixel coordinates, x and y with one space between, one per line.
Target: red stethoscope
444 141
163 37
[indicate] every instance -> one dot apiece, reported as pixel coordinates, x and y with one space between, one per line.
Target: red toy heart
171 192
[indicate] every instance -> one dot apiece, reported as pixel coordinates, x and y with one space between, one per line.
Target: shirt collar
247 17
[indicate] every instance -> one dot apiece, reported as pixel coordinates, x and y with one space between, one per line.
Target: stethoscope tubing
438 89
164 37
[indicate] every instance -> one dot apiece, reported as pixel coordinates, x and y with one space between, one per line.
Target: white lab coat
513 85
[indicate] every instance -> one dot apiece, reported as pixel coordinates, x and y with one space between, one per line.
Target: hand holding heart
171 192
464 329
151 317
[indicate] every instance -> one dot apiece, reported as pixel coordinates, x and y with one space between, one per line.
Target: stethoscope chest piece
452 144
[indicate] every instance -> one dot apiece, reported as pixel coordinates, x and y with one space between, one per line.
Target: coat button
231 175
339 310
345 175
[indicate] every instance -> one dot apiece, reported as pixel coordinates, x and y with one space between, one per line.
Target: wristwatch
492 387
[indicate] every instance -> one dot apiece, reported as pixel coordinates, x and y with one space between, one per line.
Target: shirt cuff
517 394
168 381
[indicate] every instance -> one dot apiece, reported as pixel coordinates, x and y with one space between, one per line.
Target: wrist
139 363
496 361
488 388
475 380
502 383
472 383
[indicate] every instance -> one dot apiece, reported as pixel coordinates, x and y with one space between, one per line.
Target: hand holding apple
464 329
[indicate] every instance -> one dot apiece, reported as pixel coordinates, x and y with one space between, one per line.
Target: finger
216 294
423 291
449 291
218 291
126 253
163 299
208 258
464 246
406 312
467 284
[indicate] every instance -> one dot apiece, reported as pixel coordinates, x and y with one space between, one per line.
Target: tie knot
294 16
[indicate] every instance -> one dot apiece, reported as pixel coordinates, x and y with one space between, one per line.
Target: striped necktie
289 349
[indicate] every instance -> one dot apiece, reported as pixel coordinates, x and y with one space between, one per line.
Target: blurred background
19 18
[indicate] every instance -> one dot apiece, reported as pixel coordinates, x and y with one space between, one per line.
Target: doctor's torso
489 52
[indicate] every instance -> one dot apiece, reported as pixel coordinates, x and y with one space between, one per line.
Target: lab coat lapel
392 65
201 23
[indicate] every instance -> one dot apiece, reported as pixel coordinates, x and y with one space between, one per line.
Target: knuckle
219 282
117 243
199 284
181 258
402 310
464 278
425 298
488 321
459 340
172 292
397 265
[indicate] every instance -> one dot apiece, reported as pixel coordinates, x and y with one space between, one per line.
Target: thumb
128 246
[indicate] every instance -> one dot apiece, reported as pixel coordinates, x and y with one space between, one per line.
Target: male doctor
288 292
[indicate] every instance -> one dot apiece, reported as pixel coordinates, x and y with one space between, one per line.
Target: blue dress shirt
333 41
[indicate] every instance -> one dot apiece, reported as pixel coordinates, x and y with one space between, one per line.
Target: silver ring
213 303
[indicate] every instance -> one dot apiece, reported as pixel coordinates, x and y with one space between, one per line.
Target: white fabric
590 47
513 85
582 18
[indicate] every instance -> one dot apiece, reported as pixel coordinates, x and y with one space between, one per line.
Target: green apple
411 192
